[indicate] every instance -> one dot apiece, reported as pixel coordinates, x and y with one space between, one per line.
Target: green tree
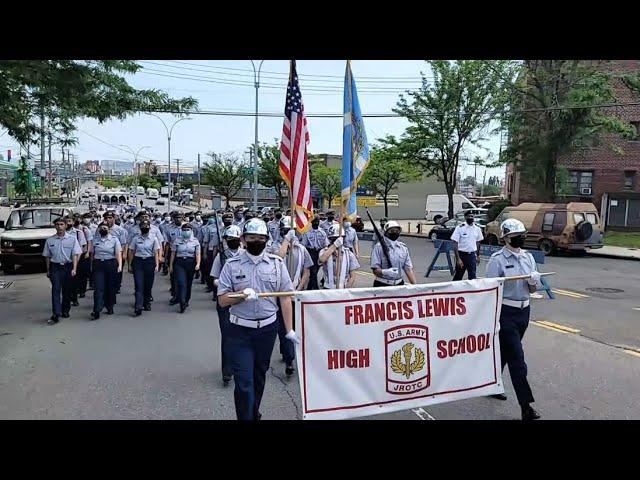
327 180
65 90
451 112
470 180
488 190
128 181
549 116
226 174
147 181
387 168
23 185
109 183
268 169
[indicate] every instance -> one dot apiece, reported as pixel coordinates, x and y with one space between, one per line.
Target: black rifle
383 244
223 257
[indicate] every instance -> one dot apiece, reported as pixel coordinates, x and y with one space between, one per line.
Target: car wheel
547 246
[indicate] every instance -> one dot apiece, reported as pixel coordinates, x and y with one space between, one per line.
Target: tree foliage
327 180
451 112
387 168
268 171
23 186
226 173
65 90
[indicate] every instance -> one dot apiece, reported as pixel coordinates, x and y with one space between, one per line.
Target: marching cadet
62 252
238 218
197 225
511 260
383 222
82 240
253 322
171 234
231 236
274 226
351 238
144 258
301 263
185 261
88 220
346 277
121 234
164 226
200 233
211 238
84 264
326 224
467 238
106 253
398 255
314 241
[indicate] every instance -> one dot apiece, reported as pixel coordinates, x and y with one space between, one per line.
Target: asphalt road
164 365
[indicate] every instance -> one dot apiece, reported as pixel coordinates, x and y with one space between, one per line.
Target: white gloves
390 272
293 337
250 294
216 282
534 279
338 242
291 234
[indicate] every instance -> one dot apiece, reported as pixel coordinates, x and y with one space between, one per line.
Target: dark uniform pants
61 284
143 277
80 280
105 277
513 323
469 264
313 271
223 320
250 353
287 347
208 264
183 271
377 283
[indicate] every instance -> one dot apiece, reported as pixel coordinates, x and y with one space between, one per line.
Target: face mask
186 234
315 225
191 219
104 232
69 226
278 215
233 243
130 221
227 222
283 232
144 229
212 221
470 221
393 236
86 221
199 218
76 223
330 218
255 248
347 224
517 241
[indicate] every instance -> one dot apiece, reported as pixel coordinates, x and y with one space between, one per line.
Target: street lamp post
135 162
256 81
169 131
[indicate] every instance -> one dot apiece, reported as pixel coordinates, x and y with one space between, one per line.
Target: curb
617 257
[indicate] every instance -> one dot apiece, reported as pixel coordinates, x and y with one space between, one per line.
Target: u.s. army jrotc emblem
407 359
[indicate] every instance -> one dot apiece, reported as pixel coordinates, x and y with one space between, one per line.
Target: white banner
367 351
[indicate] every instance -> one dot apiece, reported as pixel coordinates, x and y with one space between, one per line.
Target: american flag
294 165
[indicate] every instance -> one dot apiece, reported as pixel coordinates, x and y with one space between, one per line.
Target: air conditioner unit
585 191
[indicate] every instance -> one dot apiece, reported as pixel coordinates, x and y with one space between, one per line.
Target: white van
438 206
152 193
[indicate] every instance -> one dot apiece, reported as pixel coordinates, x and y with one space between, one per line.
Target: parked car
479 215
574 226
445 230
358 224
160 201
437 206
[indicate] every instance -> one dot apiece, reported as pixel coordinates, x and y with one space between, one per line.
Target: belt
186 258
468 253
61 264
142 257
258 323
386 281
104 259
516 303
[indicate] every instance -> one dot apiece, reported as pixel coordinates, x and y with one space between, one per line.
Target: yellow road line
569 293
549 327
558 326
365 273
632 352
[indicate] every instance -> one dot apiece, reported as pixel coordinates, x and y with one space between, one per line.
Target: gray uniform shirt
505 263
399 254
315 239
172 233
186 247
117 231
267 274
350 237
106 248
353 265
144 245
61 249
217 263
154 232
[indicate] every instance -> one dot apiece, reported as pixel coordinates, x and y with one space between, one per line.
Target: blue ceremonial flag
355 150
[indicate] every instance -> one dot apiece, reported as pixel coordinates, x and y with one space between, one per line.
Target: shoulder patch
496 253
274 256
234 259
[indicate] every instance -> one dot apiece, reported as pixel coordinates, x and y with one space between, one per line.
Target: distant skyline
227 86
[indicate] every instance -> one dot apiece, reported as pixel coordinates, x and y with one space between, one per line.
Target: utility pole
50 184
177 171
198 180
42 135
256 80
483 179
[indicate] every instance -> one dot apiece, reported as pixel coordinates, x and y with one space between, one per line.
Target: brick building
599 175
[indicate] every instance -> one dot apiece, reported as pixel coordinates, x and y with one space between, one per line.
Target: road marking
365 273
569 293
632 352
549 327
558 326
636 308
422 414
365 256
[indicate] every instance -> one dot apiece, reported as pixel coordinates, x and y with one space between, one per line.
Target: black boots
528 413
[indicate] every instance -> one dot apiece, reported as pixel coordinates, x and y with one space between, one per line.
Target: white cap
232 231
334 230
392 224
511 226
255 226
285 222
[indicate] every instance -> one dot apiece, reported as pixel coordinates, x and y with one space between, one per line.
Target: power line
112 145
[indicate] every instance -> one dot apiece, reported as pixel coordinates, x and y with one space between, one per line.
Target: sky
228 86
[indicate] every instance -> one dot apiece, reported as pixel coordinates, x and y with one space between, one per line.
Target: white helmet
392 224
285 222
255 226
334 230
511 226
232 231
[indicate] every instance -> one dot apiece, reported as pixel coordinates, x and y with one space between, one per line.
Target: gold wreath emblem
408 367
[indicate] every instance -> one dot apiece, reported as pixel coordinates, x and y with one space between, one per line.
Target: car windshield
592 218
451 223
41 218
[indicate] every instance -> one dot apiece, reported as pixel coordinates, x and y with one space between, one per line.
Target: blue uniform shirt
144 245
106 248
172 233
350 237
117 231
315 239
505 263
186 248
266 274
274 230
154 232
399 254
210 235
61 249
217 264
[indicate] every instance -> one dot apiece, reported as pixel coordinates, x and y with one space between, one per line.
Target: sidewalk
409 227
616 252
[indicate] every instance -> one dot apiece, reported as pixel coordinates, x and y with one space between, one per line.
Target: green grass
622 239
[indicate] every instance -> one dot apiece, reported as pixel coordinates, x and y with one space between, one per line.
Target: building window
580 183
628 179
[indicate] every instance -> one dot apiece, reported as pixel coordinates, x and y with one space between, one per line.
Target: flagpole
291 204
339 262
